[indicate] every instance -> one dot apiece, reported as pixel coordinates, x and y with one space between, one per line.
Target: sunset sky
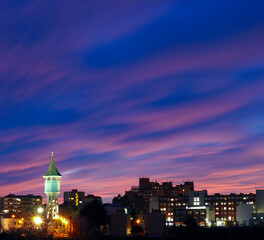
173 90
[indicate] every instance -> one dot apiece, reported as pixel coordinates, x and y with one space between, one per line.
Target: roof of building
22 196
52 170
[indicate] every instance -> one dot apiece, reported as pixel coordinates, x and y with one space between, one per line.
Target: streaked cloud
126 89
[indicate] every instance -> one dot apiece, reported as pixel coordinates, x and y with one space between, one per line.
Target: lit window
196 201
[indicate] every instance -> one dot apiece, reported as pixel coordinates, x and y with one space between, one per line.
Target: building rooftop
52 170
21 196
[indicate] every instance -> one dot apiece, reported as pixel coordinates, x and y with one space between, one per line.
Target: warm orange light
138 221
61 219
65 221
37 220
13 216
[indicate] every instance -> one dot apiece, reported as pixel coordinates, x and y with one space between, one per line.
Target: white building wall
244 214
197 198
259 201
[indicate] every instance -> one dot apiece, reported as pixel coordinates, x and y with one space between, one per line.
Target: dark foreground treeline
177 233
235 233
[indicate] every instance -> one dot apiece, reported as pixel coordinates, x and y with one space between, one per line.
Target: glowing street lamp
138 221
37 220
40 210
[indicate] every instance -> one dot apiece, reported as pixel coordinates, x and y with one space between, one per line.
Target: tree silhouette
96 215
136 203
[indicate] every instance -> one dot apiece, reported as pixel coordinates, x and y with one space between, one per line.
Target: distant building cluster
20 205
180 202
17 211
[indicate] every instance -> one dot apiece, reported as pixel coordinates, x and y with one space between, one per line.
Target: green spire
52 170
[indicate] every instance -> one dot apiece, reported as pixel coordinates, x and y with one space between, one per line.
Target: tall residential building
77 198
195 209
74 197
167 195
19 204
149 189
52 189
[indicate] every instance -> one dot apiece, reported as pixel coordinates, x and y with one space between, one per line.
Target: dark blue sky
120 89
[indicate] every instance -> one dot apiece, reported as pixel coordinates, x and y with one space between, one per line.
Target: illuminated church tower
52 189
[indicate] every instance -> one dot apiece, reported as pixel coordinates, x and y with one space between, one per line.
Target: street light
40 210
37 220
13 216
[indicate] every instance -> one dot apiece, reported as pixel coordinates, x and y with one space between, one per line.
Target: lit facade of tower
52 189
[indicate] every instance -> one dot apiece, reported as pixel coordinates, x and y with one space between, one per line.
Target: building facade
225 205
78 199
19 204
74 197
167 196
180 202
